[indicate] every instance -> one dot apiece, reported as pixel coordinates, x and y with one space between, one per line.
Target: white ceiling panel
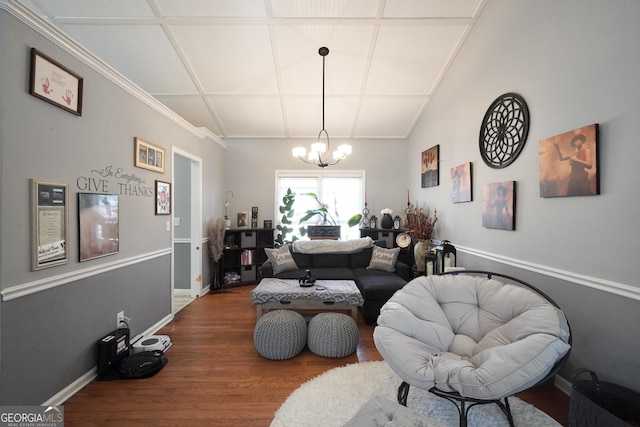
251 68
212 8
324 8
250 116
143 54
304 116
388 117
418 66
300 64
193 109
431 8
229 59
94 8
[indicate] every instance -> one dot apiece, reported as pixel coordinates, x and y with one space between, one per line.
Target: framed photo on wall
148 155
430 173
54 83
499 205
163 198
569 163
99 222
50 223
243 218
461 190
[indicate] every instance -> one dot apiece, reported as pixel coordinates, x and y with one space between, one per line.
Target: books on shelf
246 257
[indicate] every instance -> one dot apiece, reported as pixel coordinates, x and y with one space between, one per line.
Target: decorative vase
386 222
420 251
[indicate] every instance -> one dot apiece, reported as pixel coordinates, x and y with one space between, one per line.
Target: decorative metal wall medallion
504 130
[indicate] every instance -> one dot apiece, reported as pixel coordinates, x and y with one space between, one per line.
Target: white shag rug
334 397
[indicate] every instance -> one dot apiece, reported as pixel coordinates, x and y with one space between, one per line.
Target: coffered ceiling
251 68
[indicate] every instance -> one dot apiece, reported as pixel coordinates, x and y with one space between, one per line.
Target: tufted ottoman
332 335
280 334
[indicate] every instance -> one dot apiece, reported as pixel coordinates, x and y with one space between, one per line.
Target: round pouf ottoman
332 335
280 334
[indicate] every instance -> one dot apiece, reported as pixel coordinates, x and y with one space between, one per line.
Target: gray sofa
376 286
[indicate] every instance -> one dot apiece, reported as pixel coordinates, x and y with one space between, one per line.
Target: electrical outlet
120 319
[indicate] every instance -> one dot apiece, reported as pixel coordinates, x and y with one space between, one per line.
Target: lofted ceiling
251 68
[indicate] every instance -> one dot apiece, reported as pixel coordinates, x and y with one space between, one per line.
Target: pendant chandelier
318 149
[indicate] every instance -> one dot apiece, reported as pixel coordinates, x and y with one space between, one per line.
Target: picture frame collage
98 214
568 167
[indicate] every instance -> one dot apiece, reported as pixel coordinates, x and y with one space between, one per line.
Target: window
341 191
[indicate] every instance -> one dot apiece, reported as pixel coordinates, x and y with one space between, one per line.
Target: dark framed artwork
54 83
430 167
50 221
99 222
499 205
461 183
163 198
148 155
569 163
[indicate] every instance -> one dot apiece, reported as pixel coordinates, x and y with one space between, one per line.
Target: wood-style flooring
215 376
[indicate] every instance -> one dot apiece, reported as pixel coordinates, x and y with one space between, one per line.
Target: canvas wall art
498 205
461 190
430 167
99 220
569 163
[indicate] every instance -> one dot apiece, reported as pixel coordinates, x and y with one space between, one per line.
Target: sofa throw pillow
383 259
281 259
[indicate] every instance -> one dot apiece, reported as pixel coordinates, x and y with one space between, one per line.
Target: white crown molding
82 54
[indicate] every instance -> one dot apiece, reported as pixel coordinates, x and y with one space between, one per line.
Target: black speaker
112 348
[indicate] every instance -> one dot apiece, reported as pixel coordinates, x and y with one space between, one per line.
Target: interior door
187 227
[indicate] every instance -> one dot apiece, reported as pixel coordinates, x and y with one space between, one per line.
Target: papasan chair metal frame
464 404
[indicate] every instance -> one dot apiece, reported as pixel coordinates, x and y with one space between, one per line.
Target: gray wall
575 63
251 174
48 335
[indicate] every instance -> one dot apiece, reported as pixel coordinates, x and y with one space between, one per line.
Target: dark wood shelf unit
243 255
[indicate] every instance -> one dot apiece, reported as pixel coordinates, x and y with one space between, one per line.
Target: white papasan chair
471 338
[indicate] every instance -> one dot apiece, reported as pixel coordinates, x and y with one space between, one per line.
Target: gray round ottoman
280 334
332 335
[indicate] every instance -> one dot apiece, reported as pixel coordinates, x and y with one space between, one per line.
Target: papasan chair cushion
472 335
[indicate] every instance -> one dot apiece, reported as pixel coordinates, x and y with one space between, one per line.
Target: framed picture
461 189
430 167
569 164
242 219
49 218
163 198
55 83
499 205
149 156
99 223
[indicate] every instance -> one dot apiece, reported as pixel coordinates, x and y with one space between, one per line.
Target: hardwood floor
215 377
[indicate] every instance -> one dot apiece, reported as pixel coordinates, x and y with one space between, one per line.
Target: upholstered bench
332 335
280 334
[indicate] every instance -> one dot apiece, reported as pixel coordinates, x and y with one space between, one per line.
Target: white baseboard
67 392
562 384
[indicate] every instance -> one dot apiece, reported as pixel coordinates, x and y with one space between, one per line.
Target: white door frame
195 233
